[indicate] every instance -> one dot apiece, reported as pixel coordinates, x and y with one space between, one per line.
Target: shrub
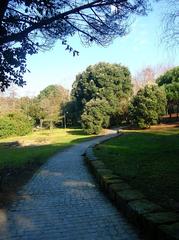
15 124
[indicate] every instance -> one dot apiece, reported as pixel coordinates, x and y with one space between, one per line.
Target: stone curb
155 222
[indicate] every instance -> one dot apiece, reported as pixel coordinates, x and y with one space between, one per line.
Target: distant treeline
103 95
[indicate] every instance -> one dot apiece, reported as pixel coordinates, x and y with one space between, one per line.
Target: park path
63 202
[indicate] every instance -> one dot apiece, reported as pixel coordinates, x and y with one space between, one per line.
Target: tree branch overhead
28 25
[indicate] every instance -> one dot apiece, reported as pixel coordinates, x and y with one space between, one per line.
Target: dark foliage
148 106
96 115
170 80
110 82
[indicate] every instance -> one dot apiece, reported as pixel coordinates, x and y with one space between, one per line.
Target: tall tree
26 26
111 82
31 107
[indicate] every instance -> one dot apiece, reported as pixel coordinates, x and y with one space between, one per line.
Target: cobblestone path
62 202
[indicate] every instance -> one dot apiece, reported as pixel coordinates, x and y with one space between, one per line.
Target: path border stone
155 222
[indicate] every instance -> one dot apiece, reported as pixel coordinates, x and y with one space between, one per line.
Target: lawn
37 147
21 157
148 160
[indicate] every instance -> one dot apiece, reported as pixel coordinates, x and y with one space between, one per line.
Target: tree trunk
41 123
51 124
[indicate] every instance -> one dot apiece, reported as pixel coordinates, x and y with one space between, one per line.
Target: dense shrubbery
15 124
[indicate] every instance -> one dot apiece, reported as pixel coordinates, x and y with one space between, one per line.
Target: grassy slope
148 160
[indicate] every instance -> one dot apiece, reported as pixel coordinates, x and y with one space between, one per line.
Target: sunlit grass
148 160
37 146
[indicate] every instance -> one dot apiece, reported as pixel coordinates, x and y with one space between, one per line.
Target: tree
26 26
31 107
148 106
169 76
148 76
145 77
70 110
9 102
172 92
111 82
170 80
95 116
51 100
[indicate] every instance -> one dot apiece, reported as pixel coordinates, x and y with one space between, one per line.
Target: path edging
155 222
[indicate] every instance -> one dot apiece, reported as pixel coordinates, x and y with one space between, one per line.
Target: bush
15 124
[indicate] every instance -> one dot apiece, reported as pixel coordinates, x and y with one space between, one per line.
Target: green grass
19 162
148 161
41 145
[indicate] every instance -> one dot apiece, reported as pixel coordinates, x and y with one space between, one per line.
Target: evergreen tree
111 82
148 106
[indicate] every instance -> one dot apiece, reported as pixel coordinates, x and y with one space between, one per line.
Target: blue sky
140 48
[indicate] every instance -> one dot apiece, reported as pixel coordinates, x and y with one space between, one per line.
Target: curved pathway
62 202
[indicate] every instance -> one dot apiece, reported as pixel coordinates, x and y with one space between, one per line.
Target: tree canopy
26 26
109 83
102 80
169 76
51 100
47 106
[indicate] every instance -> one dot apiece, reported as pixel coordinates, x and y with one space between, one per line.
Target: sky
142 47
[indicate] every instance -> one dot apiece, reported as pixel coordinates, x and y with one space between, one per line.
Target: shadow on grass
9 144
19 163
77 132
